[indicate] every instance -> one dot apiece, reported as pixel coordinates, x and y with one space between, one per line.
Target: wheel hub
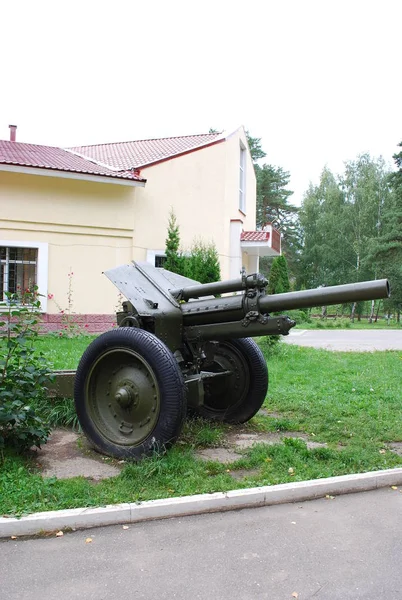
125 397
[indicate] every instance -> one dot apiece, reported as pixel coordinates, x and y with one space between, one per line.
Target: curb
80 518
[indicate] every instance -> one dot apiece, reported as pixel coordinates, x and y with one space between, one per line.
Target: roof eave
46 172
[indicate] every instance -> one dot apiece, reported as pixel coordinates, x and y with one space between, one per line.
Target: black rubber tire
220 404
163 369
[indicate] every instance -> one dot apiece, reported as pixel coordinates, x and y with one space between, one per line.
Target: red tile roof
49 157
141 153
254 236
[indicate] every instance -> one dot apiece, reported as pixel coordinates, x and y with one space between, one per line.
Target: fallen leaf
295 595
88 540
291 470
268 460
125 527
382 451
328 497
59 534
394 487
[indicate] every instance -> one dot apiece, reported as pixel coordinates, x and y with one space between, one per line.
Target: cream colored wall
202 187
232 211
87 225
194 186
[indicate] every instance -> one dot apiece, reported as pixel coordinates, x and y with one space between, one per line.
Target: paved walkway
357 340
347 547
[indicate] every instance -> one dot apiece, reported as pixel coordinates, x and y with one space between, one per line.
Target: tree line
347 229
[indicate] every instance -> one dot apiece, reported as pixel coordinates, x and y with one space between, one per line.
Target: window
160 260
156 258
242 183
22 266
18 269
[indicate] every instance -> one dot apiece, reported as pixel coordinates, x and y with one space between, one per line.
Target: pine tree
279 276
174 261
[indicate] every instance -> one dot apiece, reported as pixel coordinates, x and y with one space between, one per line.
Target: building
69 214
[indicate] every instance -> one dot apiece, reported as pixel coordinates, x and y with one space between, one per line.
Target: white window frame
152 254
42 266
242 179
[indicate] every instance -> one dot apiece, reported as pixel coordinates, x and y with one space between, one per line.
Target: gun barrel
220 287
207 289
324 296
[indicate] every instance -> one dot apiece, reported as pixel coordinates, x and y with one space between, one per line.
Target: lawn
350 401
344 323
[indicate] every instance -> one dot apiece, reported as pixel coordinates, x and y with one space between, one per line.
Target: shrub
269 344
202 264
24 373
300 316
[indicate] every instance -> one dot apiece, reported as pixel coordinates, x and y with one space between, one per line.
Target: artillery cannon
182 344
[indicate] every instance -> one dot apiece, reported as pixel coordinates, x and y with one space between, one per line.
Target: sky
319 81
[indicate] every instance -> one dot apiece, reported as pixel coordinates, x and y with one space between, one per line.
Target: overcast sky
318 80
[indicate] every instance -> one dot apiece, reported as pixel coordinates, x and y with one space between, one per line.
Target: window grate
18 270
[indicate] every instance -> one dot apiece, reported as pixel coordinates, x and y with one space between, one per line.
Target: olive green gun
184 346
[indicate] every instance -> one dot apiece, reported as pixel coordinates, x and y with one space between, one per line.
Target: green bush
269 344
300 316
202 263
24 373
278 281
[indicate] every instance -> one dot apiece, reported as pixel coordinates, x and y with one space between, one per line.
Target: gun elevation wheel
237 397
129 394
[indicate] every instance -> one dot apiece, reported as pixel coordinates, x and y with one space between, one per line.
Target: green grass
350 401
63 352
345 323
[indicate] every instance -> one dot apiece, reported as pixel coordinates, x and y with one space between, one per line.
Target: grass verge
344 323
350 401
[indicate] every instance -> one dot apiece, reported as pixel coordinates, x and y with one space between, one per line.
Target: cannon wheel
129 394
239 396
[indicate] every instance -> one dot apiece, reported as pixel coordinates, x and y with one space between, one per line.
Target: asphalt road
348 547
357 340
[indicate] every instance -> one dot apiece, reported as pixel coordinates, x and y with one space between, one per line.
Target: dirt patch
235 442
63 457
396 447
247 440
222 455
